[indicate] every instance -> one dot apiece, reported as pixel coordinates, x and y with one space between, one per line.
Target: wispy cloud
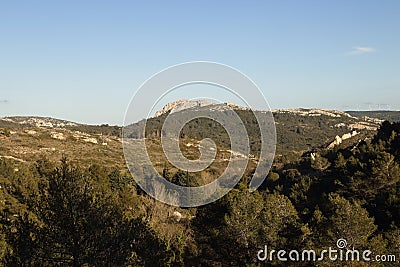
3 101
359 50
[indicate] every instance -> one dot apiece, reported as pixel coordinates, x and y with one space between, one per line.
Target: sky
84 60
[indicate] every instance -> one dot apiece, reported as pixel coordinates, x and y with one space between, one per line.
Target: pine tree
350 221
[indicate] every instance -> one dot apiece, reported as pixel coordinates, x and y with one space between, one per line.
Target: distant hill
389 115
298 130
47 122
27 139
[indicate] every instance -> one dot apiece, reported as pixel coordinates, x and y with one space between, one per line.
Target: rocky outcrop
177 216
90 140
58 136
40 122
338 140
314 112
13 158
180 105
363 126
31 132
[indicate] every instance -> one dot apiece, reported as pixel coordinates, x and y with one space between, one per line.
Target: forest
64 214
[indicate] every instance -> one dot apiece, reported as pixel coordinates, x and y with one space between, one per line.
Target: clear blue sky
83 60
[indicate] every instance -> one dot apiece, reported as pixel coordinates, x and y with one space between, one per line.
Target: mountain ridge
298 129
27 138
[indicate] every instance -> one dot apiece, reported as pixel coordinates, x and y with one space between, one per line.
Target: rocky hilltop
297 130
39 121
181 105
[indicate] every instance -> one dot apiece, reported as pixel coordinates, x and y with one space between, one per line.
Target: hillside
27 139
25 142
297 130
19 122
389 115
